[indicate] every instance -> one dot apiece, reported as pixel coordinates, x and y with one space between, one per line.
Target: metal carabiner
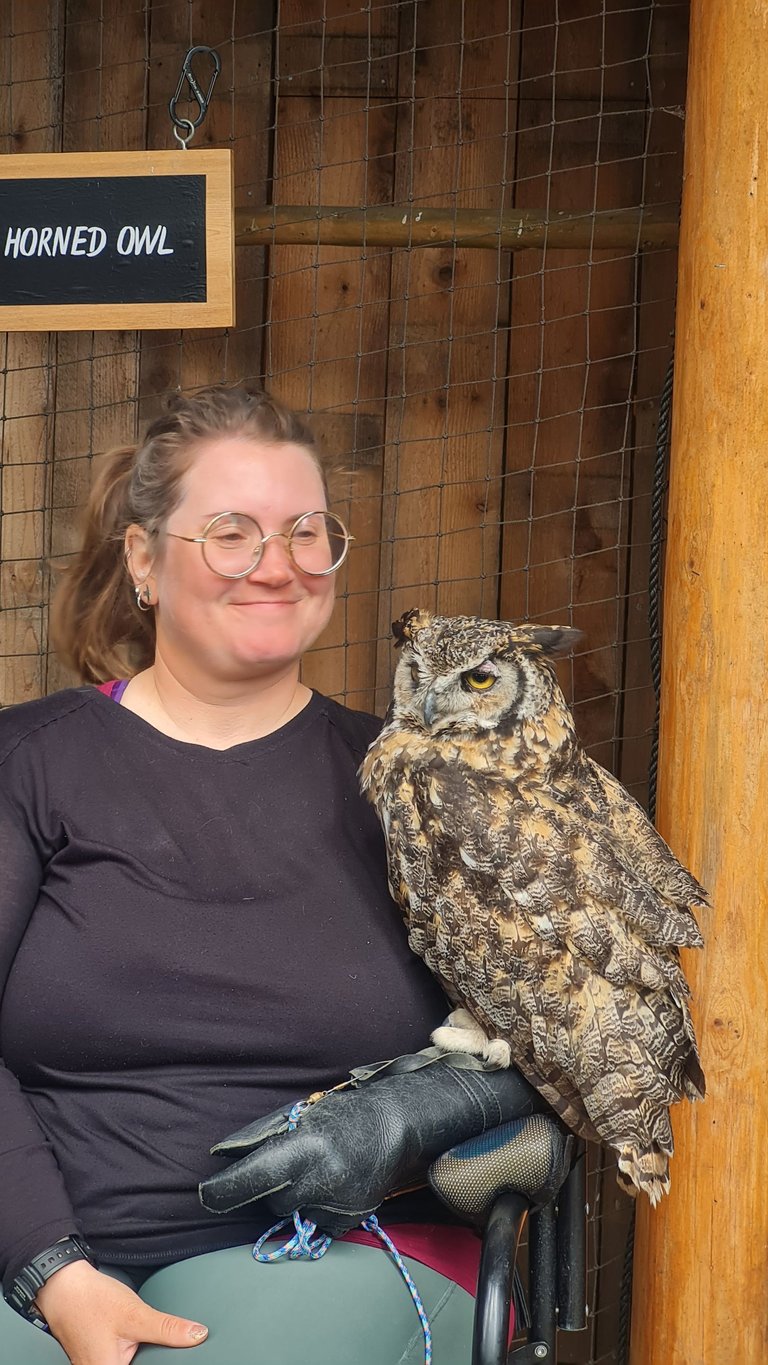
195 91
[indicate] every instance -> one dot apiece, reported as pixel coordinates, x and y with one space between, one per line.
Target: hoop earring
143 597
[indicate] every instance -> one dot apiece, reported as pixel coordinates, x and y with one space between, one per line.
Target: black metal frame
557 1273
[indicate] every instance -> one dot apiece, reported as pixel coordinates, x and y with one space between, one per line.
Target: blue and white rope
298 1247
371 1224
303 1245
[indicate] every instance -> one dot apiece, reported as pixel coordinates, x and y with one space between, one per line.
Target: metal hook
195 91
184 122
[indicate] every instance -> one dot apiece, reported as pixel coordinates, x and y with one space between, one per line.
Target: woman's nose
275 564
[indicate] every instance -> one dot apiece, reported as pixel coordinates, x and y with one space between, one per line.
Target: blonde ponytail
95 627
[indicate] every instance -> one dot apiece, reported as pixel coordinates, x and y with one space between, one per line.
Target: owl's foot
462 1033
497 1053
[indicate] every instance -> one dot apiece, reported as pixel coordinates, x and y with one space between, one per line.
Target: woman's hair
96 625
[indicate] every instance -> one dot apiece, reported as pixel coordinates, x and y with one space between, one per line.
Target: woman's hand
100 1321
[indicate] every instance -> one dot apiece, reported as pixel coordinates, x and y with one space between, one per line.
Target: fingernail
197 1332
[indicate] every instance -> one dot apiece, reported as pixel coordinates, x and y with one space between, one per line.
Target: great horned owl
534 886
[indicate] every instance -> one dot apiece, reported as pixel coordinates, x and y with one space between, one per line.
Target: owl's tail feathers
694 1085
644 1172
643 1165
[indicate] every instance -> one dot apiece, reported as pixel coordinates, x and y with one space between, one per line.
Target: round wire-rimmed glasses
233 543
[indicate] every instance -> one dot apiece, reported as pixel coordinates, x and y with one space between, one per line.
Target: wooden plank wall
589 342
497 411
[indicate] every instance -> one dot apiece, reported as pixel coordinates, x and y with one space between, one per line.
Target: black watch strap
31 1279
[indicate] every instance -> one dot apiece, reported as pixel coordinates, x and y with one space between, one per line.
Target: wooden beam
700 1260
491 229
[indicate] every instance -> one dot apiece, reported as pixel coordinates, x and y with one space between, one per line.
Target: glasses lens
319 542
232 545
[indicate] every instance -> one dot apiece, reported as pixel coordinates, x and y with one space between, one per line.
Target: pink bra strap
114 689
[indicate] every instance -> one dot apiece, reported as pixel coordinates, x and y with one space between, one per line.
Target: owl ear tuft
402 629
554 641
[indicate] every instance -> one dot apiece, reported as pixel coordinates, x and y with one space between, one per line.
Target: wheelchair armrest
557 1271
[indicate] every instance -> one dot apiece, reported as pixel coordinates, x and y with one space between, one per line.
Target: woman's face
255 626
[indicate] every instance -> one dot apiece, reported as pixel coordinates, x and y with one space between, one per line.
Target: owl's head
463 673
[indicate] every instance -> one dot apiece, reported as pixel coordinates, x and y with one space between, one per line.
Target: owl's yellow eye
479 681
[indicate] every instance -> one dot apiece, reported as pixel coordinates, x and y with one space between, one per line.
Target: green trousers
351 1306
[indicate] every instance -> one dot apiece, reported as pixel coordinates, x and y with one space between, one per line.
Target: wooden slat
572 353
445 412
328 307
667 63
32 112
105 77
239 116
104 110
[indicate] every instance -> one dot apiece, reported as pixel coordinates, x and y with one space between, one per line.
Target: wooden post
700 1261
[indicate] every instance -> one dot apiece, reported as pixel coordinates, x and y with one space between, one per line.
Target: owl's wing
560 871
409 848
579 961
635 839
567 881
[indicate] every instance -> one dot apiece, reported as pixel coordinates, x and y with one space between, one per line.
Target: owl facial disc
468 674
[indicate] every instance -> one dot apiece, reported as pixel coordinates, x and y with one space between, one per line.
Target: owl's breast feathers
538 892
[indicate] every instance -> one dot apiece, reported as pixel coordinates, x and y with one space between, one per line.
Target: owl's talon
462 1033
497 1053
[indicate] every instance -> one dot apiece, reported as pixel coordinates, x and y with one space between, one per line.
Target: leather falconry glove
382 1130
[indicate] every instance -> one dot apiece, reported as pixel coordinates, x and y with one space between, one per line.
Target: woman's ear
139 557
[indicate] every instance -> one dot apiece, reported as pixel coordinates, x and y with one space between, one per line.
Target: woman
195 926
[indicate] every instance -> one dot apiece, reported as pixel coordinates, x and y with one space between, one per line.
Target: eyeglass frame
273 535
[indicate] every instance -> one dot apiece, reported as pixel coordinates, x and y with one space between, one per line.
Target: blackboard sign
112 240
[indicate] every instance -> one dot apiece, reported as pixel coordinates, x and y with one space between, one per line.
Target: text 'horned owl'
534 886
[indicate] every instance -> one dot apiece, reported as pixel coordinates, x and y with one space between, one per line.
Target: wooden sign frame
216 310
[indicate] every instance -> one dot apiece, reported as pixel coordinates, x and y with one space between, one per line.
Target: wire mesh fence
495 392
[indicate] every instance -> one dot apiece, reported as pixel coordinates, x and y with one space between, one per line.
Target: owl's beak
430 707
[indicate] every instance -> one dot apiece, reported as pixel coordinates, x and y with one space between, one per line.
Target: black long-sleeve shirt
189 938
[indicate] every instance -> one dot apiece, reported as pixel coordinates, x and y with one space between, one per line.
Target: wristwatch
31 1279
